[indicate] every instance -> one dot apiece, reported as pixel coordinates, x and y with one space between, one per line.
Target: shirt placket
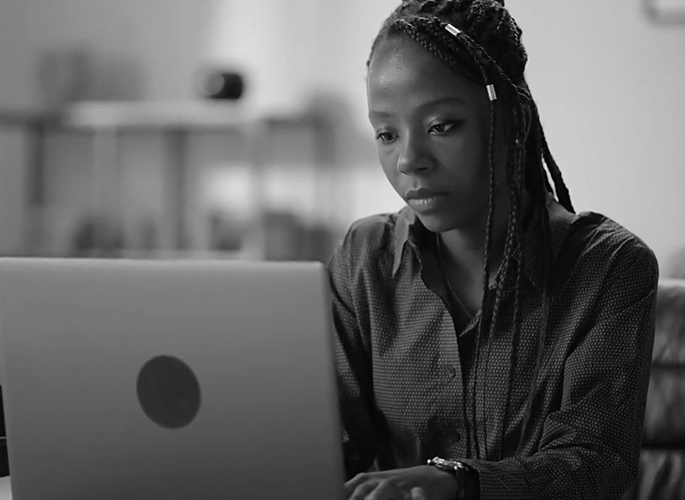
454 422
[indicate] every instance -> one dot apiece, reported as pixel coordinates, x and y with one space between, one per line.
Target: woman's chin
436 222
453 217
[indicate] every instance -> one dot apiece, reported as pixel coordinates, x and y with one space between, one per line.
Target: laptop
169 380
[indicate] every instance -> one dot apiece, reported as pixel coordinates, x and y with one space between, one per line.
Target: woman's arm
352 355
590 447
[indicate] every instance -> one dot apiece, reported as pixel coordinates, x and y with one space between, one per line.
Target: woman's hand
424 482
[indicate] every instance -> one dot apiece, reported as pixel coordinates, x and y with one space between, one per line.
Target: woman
491 343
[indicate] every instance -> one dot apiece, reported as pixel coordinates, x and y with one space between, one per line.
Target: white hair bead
491 92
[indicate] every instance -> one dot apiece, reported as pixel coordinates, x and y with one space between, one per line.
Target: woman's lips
427 203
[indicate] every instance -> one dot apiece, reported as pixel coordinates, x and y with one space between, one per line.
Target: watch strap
459 469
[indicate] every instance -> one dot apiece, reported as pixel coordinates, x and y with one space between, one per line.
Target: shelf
175 121
152 115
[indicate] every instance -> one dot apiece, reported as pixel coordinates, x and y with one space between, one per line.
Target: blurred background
237 129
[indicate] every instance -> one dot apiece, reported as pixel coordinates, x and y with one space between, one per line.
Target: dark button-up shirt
411 386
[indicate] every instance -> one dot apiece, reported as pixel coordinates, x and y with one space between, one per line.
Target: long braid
540 190
488 247
486 263
498 53
520 159
512 245
411 30
515 167
559 184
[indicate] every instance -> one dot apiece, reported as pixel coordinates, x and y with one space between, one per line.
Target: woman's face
432 130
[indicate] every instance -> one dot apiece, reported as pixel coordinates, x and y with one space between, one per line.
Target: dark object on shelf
227 85
665 11
97 236
62 75
226 234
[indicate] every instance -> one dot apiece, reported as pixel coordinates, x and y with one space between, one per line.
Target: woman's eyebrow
379 114
444 100
427 104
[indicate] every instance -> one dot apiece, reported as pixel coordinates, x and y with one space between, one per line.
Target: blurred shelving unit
106 121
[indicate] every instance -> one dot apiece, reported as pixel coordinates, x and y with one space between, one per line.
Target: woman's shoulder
597 241
602 232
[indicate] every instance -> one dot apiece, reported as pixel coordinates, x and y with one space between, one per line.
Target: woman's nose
413 157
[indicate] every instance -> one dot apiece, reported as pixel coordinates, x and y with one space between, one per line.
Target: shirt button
451 371
457 436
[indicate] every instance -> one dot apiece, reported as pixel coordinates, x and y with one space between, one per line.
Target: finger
417 493
362 491
353 483
389 490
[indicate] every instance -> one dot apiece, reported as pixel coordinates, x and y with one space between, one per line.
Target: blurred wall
140 48
608 83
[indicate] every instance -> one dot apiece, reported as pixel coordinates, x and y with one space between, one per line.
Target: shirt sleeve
590 447
353 362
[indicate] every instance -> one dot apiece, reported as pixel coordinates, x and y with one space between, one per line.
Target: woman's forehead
400 65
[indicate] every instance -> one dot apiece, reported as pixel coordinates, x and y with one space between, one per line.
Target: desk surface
5 490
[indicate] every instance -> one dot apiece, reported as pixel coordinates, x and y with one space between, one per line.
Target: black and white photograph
342 249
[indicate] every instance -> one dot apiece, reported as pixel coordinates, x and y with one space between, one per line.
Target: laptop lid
168 379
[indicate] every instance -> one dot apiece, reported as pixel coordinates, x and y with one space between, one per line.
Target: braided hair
486 47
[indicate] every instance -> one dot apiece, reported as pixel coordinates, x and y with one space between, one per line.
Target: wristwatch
459 469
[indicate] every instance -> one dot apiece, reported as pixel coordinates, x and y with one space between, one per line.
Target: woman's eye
384 136
441 128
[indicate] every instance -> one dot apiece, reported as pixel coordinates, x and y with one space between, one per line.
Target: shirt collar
409 229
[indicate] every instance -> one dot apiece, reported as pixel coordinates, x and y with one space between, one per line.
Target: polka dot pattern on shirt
406 362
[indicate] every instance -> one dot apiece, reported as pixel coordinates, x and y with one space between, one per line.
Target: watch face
442 464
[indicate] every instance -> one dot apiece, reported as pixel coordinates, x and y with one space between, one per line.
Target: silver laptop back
168 380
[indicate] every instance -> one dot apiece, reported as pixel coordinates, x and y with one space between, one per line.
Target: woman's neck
463 249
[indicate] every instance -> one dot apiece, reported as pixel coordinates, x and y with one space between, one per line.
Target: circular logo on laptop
168 392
